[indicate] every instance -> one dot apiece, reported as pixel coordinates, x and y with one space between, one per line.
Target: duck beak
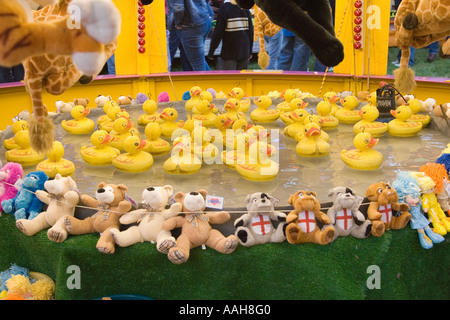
372 142
341 100
142 144
196 92
212 106
255 101
231 105
107 139
269 151
293 116
129 124
86 112
394 113
228 123
334 99
360 113
313 132
232 94
164 115
304 105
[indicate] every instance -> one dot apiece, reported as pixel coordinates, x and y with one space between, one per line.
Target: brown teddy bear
302 221
196 229
384 206
82 102
111 205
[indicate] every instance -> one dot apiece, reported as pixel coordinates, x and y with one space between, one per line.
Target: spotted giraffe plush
82 34
310 20
419 23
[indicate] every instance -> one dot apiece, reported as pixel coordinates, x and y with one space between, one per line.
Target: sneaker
396 62
431 57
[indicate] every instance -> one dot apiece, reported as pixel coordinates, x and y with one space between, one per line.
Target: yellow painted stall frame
146 72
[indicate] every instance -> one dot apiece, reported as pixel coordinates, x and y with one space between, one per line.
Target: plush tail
263 59
404 76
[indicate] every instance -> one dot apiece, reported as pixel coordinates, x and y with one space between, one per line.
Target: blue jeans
294 56
273 48
13 74
412 51
174 45
193 42
111 63
433 48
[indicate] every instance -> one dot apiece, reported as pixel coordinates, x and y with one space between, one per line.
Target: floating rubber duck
134 159
206 95
80 123
154 144
55 164
121 130
287 96
369 114
332 98
296 103
262 113
239 94
105 122
239 153
202 145
150 108
105 117
399 127
24 154
258 165
16 127
232 108
416 106
324 112
372 98
223 125
100 153
347 114
317 120
190 124
298 117
194 99
363 157
204 113
170 116
312 145
182 161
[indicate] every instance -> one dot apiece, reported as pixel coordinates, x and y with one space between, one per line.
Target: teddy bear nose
101 190
194 193
263 200
151 189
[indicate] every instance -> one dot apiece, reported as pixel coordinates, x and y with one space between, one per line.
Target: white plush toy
149 219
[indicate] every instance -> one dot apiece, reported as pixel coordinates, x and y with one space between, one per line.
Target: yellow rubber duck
312 145
232 108
347 114
298 117
363 157
399 127
100 153
296 103
16 127
134 159
287 95
202 145
204 114
105 117
55 164
238 93
195 92
258 165
150 108
154 144
24 154
369 114
372 98
206 95
316 119
262 113
105 122
121 130
416 106
182 161
80 123
223 127
332 98
240 151
170 116
324 112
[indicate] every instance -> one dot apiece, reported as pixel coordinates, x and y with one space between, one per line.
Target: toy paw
108 248
21 227
176 256
32 215
378 228
327 235
230 245
20 214
7 206
242 235
57 235
166 245
114 232
331 52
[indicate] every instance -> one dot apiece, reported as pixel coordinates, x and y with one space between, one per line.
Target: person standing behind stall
193 20
234 28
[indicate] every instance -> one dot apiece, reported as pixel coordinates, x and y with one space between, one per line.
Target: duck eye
136 144
171 113
366 140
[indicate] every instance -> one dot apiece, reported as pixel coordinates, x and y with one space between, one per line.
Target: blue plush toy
25 205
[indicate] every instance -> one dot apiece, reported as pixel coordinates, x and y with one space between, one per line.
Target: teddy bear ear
169 189
292 198
179 196
58 176
274 200
249 197
101 185
87 100
330 192
122 187
314 194
72 183
203 192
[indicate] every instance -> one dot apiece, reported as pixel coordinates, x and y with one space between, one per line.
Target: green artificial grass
266 272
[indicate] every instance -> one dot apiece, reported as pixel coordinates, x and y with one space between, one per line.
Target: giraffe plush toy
84 34
264 27
419 23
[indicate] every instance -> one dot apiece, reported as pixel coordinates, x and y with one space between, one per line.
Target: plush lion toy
310 20
22 38
419 23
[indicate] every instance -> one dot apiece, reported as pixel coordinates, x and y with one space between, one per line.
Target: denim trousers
193 42
273 48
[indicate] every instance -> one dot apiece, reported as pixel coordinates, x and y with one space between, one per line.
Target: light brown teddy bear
111 205
196 229
81 102
61 196
302 225
383 200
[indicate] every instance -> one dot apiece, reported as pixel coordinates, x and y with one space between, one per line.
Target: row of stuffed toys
38 203
208 130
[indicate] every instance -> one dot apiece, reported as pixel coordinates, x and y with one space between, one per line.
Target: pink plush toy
9 175
163 97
